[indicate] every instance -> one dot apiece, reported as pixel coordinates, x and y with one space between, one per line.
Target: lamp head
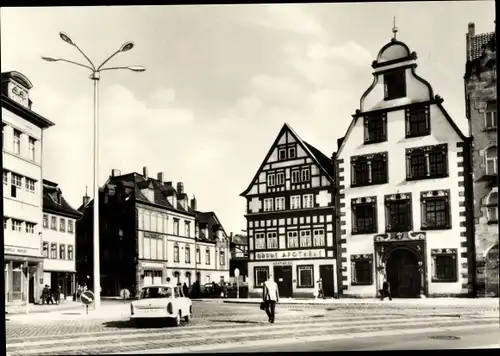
65 37
127 46
50 59
137 68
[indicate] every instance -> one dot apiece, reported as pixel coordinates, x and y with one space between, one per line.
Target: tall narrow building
481 110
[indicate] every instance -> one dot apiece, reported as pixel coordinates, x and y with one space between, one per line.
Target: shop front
23 275
66 280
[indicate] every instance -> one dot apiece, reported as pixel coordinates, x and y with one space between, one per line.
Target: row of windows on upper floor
62 223
159 223
16 184
16 143
305 201
53 251
299 175
17 225
187 255
270 240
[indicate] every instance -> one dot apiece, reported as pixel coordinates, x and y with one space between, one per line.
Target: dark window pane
395 84
437 164
417 166
399 219
364 218
435 213
445 267
417 121
363 271
361 173
378 171
375 129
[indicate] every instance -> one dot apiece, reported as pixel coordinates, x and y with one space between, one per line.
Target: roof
239 240
483 61
325 164
18 77
209 220
476 45
54 201
25 113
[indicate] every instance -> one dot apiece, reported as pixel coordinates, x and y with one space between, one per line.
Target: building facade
404 183
481 110
148 232
59 242
238 257
22 137
291 219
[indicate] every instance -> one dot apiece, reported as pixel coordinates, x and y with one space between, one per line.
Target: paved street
221 327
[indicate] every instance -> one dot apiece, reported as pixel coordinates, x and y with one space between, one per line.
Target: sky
221 81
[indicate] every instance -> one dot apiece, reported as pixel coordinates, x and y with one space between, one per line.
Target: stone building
481 111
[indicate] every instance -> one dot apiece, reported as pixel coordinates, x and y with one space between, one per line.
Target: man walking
385 291
321 293
270 296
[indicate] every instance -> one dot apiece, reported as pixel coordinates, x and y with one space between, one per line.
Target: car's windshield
156 292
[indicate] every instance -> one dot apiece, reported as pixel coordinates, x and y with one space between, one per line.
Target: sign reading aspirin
317 253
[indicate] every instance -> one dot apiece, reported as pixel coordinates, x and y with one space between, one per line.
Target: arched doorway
402 274
491 278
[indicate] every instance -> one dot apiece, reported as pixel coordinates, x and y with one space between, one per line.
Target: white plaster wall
59 237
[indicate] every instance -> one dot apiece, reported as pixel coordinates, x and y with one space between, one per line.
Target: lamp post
95 76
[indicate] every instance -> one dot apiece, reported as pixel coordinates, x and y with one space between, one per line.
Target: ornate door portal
402 274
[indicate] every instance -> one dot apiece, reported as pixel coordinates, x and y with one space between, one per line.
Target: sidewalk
38 308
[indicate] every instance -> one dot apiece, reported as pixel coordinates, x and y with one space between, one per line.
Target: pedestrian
50 299
57 294
385 291
185 290
270 296
45 294
224 290
321 293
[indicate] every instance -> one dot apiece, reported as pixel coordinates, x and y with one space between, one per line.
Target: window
176 253
376 128
490 116
5 223
16 225
198 255
5 177
53 250
53 223
16 180
435 210
364 215
295 202
282 154
222 257
268 204
280 178
369 169
305 175
188 254
32 148
492 207
398 212
187 228
70 226
45 249
62 224
207 256
444 265
292 239
291 152
319 237
491 155
260 241
427 162
417 121
62 252
307 201
70 252
280 203
361 269
305 238
305 277
176 227
261 274
395 84
30 228
45 221
296 176
17 142
154 222
271 180
272 240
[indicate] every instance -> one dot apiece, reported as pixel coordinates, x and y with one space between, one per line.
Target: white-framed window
207 256
198 255
62 224
5 223
188 254
17 142
291 152
305 238
176 227
16 225
176 252
292 239
70 226
305 175
16 180
53 250
260 241
45 249
280 178
31 148
282 154
307 201
271 180
272 240
280 203
319 237
70 252
62 251
261 274
5 177
491 160
295 176
187 228
295 202
53 223
30 185
490 116
305 276
30 228
268 204
222 257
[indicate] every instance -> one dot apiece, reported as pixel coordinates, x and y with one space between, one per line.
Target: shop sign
297 255
282 263
20 251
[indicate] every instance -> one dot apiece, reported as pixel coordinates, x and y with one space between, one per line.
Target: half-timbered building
403 178
290 219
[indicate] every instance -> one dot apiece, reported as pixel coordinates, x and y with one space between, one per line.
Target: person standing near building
270 296
385 291
321 293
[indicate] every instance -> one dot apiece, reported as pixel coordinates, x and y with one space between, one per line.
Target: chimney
145 172
168 184
86 197
115 173
161 177
180 188
193 203
472 29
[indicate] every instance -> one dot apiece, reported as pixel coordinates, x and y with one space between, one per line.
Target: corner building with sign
404 184
290 220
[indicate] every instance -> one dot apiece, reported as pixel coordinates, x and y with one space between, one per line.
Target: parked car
162 301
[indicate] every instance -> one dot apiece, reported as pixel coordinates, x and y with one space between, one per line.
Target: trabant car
161 301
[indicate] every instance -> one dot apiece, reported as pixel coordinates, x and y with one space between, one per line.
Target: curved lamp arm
50 59
132 68
106 61
87 58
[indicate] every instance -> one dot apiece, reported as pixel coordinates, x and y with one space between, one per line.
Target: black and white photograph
249 177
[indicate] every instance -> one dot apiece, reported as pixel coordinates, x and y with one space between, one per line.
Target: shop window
45 221
157 277
207 256
261 274
292 239
417 121
435 210
364 215
148 278
305 238
260 241
398 212
272 240
427 162
176 253
45 249
53 250
395 84
362 269
444 267
319 237
375 128
305 277
369 169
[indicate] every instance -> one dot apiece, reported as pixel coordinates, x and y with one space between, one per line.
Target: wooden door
327 277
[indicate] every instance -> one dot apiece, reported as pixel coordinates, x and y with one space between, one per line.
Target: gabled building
22 141
59 239
481 111
238 256
404 188
291 219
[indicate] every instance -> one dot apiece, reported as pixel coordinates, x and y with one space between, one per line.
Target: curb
41 311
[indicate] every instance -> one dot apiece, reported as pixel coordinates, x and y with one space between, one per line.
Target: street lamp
95 76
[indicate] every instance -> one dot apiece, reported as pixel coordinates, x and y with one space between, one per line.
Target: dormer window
282 154
287 152
395 84
149 194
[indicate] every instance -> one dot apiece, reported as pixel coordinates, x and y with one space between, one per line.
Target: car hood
152 302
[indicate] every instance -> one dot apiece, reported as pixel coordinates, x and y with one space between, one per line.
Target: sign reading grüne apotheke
281 255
